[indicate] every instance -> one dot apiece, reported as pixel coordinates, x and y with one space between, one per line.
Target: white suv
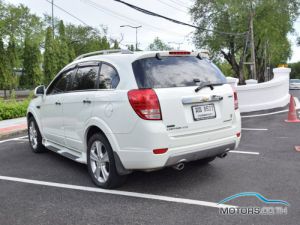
118 111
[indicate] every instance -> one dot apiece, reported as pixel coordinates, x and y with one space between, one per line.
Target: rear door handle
57 103
87 101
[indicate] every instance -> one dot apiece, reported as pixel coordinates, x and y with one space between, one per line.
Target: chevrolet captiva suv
119 111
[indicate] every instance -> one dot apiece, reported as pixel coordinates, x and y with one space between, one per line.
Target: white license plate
204 112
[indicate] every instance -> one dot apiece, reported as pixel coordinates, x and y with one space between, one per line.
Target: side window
61 84
85 78
109 77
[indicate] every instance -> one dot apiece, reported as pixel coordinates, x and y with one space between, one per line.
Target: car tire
35 137
101 163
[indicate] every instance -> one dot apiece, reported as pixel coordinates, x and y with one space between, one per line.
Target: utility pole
52 3
136 34
176 43
253 59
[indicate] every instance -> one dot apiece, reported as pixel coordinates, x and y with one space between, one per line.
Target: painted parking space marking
14 139
255 129
117 192
244 152
265 114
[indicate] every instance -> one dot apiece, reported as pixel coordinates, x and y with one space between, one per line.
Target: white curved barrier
263 96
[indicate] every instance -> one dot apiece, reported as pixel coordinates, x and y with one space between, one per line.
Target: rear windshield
173 71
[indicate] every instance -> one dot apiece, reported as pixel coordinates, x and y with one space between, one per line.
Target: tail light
145 103
236 102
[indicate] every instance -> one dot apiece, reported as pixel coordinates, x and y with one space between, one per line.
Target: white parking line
13 139
116 192
265 114
243 152
255 129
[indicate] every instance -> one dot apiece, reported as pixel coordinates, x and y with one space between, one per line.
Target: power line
171 6
70 14
123 17
176 21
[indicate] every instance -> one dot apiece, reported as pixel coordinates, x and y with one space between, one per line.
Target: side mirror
39 91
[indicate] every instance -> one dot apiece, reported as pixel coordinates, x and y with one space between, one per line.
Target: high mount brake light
179 53
145 103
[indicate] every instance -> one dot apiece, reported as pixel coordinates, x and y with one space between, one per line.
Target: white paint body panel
132 138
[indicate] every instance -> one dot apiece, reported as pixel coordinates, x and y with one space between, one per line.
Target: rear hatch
175 79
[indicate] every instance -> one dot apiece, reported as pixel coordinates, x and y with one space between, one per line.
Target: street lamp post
136 32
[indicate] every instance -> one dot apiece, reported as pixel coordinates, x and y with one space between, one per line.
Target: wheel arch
92 129
32 114
95 126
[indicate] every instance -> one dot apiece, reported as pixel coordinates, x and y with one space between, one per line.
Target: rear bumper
145 160
192 156
135 149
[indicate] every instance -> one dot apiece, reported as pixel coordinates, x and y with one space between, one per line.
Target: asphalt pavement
267 163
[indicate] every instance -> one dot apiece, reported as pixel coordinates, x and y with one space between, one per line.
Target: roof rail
104 52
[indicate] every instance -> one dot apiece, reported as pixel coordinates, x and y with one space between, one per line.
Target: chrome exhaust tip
179 166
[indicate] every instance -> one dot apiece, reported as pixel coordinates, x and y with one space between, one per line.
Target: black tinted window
85 78
175 72
109 78
62 83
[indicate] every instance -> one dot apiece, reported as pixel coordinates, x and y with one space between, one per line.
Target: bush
13 109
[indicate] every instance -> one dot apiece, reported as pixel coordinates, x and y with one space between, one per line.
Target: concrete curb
271 111
13 134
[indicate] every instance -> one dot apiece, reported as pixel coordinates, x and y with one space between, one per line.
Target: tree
85 39
116 44
271 42
31 63
72 54
4 70
13 62
51 58
158 45
19 21
63 50
295 74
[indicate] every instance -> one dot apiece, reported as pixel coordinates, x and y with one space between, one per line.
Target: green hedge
13 109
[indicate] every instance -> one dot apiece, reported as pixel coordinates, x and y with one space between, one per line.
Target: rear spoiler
203 54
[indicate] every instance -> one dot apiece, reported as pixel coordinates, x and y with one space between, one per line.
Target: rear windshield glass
172 71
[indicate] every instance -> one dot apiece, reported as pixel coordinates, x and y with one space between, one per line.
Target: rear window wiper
207 84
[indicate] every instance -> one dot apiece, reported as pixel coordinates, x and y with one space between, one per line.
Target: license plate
204 112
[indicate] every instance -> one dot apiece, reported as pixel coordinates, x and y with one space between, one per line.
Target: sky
112 15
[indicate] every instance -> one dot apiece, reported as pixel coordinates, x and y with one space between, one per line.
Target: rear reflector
160 151
145 103
179 53
238 134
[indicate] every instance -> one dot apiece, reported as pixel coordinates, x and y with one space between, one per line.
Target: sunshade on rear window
170 71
